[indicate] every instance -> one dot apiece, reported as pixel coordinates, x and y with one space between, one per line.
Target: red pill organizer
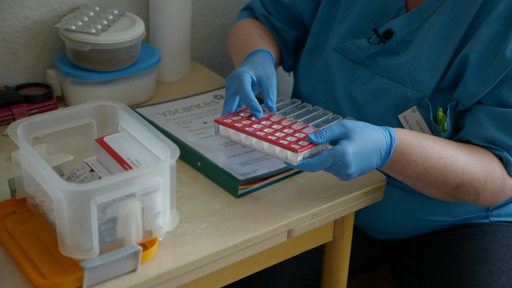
282 134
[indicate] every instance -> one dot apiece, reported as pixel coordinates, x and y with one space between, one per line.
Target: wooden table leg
337 253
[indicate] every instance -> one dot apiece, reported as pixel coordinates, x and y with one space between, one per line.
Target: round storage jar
132 85
116 48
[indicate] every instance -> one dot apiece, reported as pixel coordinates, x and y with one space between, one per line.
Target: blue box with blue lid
132 85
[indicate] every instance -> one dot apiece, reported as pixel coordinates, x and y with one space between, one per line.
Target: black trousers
475 255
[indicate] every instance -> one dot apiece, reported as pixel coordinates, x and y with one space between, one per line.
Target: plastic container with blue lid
132 85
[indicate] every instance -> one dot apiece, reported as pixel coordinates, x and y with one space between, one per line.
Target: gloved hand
256 74
361 148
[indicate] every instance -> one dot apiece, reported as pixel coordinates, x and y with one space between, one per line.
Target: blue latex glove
361 148
256 74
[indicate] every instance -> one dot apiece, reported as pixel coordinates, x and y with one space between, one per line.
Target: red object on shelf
18 111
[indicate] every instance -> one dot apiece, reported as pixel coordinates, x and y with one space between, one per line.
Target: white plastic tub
130 86
106 214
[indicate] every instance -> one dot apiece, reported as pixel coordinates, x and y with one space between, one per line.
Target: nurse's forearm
247 35
449 170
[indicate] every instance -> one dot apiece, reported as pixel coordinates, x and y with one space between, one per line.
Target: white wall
29 43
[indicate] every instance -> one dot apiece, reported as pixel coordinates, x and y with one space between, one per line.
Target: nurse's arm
247 35
449 170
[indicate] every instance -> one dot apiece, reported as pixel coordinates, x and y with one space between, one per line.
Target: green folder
189 123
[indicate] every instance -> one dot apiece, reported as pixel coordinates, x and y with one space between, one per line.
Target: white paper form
191 119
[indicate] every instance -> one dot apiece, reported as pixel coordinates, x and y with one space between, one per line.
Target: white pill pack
282 134
90 19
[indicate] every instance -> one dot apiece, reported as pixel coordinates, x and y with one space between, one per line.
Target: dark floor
378 278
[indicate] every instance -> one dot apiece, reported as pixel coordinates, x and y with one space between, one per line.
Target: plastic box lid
130 28
32 244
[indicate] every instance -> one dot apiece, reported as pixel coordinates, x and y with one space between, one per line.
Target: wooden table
221 239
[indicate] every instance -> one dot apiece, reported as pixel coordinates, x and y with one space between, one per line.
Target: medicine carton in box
120 152
94 217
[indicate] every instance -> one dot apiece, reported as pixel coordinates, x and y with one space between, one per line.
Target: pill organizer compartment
282 134
106 214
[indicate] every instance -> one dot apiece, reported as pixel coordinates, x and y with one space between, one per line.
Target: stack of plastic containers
106 57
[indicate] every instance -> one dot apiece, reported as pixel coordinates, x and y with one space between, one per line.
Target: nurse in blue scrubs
430 86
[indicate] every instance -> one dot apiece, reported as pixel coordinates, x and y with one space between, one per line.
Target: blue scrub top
454 55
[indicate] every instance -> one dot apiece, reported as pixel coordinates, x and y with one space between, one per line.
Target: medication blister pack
282 134
91 19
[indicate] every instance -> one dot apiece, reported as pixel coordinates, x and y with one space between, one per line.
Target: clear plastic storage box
105 214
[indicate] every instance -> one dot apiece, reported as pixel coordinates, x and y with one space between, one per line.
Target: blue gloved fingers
256 74
337 161
364 137
317 163
332 132
361 147
249 87
239 90
267 80
232 101
268 86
